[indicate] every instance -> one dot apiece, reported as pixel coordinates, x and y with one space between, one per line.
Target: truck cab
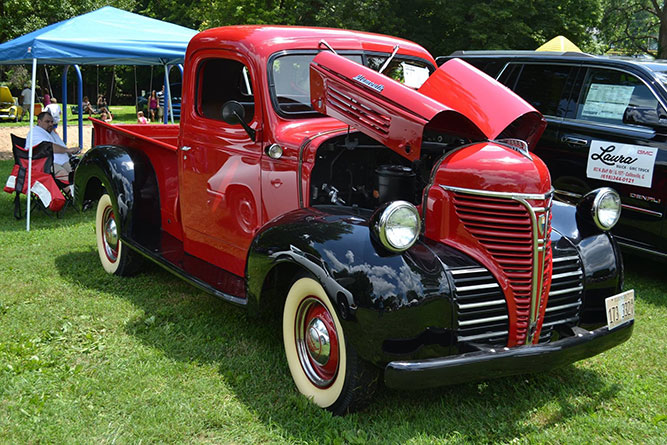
389 212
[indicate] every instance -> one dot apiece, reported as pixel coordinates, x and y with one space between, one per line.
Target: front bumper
501 362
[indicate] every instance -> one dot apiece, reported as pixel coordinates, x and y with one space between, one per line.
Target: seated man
44 132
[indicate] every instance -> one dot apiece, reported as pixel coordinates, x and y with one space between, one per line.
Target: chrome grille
480 306
514 233
565 296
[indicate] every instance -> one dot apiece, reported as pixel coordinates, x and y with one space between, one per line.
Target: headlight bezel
591 205
382 220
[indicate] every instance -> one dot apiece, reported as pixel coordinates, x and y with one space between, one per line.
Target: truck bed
159 143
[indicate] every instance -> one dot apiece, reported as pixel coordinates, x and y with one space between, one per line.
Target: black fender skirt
129 178
390 305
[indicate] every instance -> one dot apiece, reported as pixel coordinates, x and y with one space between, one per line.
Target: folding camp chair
49 192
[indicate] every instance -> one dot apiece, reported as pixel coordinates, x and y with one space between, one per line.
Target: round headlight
398 226
606 208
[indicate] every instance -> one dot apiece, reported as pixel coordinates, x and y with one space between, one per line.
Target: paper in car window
414 76
607 101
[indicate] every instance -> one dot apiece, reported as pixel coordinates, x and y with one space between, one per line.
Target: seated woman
87 107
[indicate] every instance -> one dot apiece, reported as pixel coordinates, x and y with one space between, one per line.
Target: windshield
289 78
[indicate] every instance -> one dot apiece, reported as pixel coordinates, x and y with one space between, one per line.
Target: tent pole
32 118
113 78
64 103
136 92
80 103
167 98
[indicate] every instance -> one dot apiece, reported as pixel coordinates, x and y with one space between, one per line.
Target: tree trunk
662 36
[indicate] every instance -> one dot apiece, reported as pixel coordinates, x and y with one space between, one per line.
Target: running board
176 267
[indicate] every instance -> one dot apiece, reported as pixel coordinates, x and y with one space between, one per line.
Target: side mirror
233 113
649 117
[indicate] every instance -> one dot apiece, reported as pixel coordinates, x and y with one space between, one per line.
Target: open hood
6 96
457 99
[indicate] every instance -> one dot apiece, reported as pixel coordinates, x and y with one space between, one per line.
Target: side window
607 94
222 80
543 86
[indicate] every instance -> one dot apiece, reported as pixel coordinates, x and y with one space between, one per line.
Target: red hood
457 99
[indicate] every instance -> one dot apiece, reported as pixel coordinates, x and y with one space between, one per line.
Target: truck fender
398 295
601 259
128 176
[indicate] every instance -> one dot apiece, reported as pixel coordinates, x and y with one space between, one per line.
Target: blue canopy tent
107 36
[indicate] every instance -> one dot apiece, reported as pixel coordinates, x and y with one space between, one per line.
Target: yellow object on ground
559 44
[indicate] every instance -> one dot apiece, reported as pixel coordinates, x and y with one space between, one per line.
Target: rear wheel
324 367
115 257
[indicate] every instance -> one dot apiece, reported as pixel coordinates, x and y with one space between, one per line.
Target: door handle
575 142
186 148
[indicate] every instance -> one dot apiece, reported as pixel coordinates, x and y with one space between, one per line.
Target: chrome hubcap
316 342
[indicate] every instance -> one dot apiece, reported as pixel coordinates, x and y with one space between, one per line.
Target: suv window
221 80
542 86
608 93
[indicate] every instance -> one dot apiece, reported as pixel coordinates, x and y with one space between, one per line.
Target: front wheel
324 367
116 258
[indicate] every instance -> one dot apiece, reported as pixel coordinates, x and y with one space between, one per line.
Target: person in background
141 119
56 112
46 100
152 105
105 115
43 131
101 102
25 101
160 103
87 107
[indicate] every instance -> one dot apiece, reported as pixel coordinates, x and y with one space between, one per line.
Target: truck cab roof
266 40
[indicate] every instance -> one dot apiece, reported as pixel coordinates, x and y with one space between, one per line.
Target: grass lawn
90 358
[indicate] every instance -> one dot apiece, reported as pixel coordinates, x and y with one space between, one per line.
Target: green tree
634 27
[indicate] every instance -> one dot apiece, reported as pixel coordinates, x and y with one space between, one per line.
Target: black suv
607 127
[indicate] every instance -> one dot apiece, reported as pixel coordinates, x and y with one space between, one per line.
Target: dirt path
72 137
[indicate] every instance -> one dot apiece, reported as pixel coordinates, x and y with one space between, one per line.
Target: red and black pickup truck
392 211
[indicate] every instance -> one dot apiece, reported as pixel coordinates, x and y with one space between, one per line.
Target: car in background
607 126
9 105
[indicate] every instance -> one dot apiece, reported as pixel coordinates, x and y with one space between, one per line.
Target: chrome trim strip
566 291
467 271
564 306
640 210
565 258
484 335
477 287
482 320
567 320
566 274
628 245
506 195
570 194
482 304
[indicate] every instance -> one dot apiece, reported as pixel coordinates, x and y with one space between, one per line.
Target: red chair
48 191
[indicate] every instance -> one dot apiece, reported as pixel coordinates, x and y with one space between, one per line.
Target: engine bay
356 170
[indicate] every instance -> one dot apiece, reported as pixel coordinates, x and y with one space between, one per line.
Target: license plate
620 308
